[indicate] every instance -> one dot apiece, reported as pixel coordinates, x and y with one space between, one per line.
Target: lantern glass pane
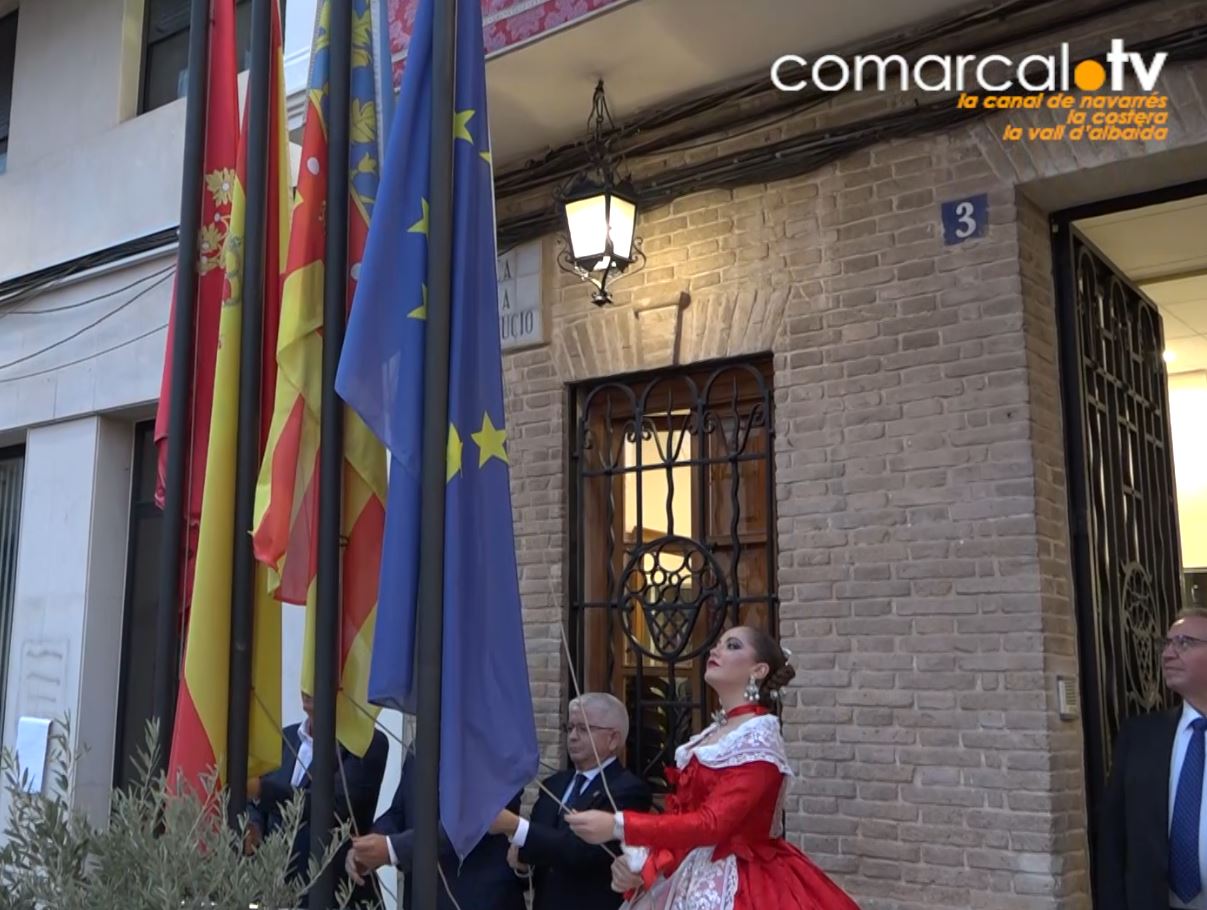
623 217
588 223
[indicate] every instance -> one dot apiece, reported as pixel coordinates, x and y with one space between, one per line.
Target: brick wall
922 524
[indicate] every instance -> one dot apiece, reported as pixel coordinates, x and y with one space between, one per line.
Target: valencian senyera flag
488 749
287 494
199 739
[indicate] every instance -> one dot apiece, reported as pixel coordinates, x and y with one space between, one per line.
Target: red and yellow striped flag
199 739
287 495
220 160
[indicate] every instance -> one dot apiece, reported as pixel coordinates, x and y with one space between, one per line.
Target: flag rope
407 747
540 786
578 694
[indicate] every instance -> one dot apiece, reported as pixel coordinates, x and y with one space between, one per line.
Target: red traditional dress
720 845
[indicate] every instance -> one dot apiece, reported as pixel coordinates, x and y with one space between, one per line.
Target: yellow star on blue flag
420 312
490 441
453 458
421 226
461 126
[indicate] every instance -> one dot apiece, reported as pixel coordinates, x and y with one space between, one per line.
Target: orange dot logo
1089 75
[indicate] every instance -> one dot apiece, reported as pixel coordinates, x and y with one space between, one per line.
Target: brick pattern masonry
921 499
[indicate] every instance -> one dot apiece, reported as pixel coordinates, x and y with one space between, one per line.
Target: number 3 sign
964 219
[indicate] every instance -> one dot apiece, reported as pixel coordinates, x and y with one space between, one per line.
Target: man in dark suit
356 792
1152 842
483 882
566 871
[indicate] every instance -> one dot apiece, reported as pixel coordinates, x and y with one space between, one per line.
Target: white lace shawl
758 739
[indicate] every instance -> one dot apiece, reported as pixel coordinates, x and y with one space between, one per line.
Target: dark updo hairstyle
768 651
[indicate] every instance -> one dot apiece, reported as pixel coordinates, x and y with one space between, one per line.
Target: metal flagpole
385 74
247 452
335 301
167 642
430 620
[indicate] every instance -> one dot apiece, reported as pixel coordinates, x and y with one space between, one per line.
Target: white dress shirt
1181 743
305 753
521 831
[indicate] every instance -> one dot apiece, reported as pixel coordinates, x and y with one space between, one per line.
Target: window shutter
166 18
8 53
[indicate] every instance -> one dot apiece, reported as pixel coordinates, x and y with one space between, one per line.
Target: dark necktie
576 790
1185 877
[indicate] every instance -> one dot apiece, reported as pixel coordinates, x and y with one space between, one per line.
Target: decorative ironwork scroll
672 539
1126 552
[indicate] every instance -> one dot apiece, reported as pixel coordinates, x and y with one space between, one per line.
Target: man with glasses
1152 845
566 871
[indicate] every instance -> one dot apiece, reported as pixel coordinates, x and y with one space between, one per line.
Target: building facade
921 521
850 397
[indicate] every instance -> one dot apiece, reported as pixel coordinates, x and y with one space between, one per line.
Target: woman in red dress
719 845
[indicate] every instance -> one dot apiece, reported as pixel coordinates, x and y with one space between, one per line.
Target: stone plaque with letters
520 318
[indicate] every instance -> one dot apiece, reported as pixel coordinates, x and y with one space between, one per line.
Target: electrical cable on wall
92 356
82 330
25 287
81 303
780 160
564 162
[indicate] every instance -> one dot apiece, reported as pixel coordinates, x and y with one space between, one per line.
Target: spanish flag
220 158
287 495
199 738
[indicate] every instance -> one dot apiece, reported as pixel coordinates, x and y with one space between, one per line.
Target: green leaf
161 848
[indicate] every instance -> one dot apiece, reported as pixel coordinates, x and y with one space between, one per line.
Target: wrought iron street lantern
601 212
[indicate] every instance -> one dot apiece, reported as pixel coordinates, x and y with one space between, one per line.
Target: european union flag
488 748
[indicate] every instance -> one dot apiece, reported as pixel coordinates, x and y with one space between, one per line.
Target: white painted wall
1187 409
114 361
93 40
104 609
69 594
84 172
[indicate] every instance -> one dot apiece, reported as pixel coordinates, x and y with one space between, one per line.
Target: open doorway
1163 249
1131 280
